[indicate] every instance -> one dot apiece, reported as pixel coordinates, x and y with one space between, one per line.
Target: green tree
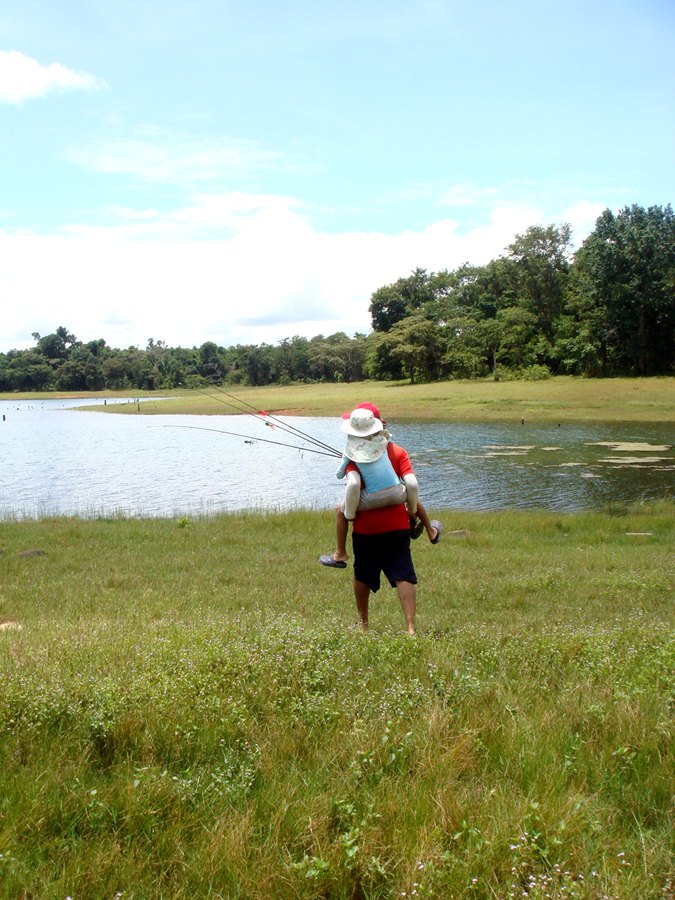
576 351
297 358
5 372
412 346
71 376
623 290
57 345
258 364
540 271
354 353
290 362
114 368
30 371
138 368
521 344
471 345
392 303
337 357
475 291
181 366
210 365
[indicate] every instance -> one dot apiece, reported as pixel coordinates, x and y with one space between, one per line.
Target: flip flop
328 560
416 528
439 530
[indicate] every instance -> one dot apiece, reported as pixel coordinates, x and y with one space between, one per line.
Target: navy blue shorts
388 552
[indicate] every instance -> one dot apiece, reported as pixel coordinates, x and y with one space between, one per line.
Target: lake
56 460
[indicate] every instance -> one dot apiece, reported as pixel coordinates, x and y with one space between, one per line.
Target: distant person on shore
381 535
373 483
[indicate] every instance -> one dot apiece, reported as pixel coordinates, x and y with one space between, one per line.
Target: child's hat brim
365 450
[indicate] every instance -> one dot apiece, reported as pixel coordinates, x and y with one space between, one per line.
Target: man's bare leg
407 594
362 596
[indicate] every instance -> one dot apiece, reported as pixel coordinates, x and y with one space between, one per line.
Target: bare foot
435 531
334 560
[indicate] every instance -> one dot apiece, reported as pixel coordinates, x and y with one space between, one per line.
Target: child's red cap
371 406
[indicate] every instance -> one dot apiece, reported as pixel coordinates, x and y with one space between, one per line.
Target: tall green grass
560 399
189 711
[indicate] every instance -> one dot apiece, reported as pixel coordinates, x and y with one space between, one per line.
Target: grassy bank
187 711
553 400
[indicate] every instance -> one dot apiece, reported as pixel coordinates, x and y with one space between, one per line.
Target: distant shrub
535 373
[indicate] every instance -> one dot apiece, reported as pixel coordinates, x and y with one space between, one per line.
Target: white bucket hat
361 423
366 437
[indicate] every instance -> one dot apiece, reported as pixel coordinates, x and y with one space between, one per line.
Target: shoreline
557 399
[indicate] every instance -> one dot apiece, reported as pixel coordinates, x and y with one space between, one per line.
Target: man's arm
403 468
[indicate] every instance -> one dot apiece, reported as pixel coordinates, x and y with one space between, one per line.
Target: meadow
187 710
558 399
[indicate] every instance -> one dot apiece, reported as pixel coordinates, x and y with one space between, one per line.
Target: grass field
186 710
556 399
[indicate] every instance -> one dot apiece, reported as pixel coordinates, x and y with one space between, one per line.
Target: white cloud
544 202
159 155
23 78
466 195
582 217
232 268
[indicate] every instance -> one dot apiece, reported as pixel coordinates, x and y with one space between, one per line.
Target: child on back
366 447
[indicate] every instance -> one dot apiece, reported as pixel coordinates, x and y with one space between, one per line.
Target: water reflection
54 460
501 466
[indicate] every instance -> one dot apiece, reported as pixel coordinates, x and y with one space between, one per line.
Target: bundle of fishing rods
270 421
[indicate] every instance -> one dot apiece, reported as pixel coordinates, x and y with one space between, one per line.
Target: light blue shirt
376 475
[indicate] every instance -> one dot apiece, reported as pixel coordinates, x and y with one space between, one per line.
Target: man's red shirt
387 518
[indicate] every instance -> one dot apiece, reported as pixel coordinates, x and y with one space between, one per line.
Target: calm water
58 461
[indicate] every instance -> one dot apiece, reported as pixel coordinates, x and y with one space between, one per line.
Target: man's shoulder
395 449
398 455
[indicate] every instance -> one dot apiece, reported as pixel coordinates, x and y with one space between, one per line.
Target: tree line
538 310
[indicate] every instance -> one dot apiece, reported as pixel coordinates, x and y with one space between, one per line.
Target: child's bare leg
341 531
422 514
345 514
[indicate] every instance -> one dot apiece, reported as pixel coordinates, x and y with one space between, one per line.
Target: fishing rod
263 416
285 426
250 439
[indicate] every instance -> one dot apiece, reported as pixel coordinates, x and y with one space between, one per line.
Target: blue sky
193 170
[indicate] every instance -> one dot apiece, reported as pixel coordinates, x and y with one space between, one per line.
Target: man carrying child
382 523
